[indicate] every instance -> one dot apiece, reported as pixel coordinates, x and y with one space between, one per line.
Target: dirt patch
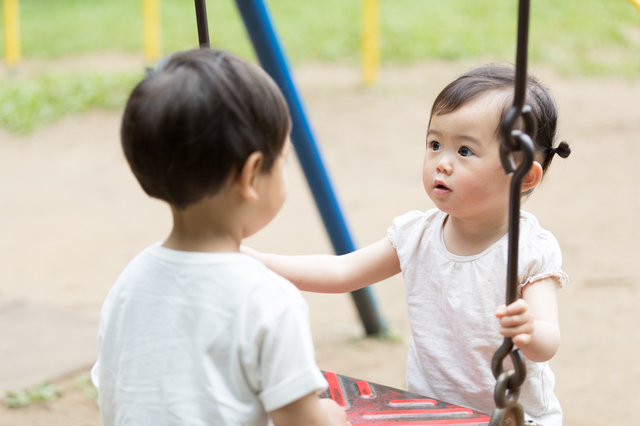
73 216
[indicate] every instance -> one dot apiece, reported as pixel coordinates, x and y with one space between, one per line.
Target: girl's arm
335 274
532 321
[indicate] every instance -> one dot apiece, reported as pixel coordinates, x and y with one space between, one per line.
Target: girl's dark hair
495 78
190 125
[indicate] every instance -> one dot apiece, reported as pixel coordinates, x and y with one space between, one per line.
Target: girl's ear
249 174
533 178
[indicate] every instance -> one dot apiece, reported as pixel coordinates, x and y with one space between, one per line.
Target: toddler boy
193 332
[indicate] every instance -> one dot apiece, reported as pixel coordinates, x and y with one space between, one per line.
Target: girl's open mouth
440 189
438 184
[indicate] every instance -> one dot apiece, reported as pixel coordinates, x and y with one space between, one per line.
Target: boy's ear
533 178
248 179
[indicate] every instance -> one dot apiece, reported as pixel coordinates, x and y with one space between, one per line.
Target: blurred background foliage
575 37
27 104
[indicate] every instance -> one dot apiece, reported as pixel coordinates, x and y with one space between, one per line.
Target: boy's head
190 125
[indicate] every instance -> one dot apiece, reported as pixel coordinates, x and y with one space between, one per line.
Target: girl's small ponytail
563 150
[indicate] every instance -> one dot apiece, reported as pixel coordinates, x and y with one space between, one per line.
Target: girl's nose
444 166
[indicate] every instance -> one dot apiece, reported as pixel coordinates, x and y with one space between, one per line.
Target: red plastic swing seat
369 403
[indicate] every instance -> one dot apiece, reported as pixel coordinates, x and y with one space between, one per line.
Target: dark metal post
203 26
265 41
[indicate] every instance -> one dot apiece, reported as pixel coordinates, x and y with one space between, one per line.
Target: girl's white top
451 303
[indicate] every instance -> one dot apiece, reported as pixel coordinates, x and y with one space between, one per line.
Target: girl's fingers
517 307
526 328
522 340
515 320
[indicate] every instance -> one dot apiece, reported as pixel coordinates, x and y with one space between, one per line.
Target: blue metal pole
258 23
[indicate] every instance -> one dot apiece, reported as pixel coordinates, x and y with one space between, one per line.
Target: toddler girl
453 258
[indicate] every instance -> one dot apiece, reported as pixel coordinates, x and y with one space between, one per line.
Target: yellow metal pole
370 44
151 28
636 3
11 13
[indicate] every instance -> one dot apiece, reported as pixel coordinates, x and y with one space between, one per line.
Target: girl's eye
465 152
434 145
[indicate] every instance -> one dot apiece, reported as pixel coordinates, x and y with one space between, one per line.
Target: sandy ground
72 216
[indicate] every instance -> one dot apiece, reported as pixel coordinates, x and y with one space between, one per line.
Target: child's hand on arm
251 252
532 322
310 411
334 274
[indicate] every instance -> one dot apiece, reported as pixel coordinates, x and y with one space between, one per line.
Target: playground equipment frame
259 25
11 14
151 29
370 41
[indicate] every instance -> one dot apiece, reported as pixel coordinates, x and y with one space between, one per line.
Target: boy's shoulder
238 278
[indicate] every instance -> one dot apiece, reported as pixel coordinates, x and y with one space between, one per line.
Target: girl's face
462 173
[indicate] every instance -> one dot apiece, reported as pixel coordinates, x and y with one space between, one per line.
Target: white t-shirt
451 303
192 338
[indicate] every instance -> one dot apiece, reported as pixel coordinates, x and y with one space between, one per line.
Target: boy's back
193 332
202 338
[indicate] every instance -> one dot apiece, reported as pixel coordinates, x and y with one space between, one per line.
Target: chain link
509 411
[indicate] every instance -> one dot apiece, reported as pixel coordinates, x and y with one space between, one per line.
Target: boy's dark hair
191 124
494 78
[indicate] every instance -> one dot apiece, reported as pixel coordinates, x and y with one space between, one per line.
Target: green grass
576 37
586 37
85 385
26 104
42 392
569 34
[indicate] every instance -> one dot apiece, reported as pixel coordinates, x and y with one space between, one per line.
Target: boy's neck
208 242
466 237
209 225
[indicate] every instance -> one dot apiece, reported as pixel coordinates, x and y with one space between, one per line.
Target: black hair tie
562 149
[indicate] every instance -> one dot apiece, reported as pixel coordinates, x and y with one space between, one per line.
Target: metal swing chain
508 384
203 27
507 391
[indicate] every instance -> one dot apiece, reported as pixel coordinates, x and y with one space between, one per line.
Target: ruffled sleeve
404 227
410 233
540 256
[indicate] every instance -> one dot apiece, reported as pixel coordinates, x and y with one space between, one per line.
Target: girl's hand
516 321
251 252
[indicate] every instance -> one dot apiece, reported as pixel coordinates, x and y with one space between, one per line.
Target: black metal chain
508 409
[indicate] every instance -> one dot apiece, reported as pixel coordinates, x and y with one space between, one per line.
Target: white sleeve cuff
294 388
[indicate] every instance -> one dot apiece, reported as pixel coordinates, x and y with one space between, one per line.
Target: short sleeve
403 226
408 230
540 256
286 369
